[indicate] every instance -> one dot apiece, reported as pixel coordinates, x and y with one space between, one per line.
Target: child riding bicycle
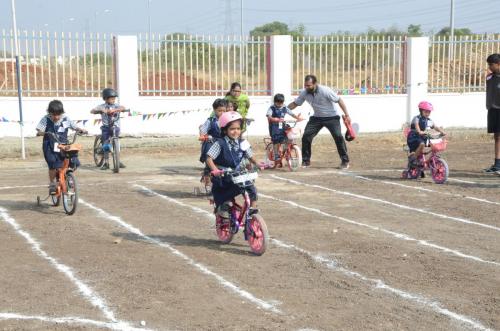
55 122
417 136
230 151
276 118
110 112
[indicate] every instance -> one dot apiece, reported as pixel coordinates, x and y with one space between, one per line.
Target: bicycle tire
98 152
439 170
294 158
116 155
223 230
70 197
259 235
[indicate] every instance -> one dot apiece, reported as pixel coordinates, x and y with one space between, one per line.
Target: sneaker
306 164
52 188
105 166
223 210
253 211
491 169
122 165
422 174
277 157
344 165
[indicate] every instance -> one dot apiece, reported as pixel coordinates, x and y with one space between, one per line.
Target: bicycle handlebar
56 138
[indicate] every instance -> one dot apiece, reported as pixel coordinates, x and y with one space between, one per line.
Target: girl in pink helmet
419 125
230 151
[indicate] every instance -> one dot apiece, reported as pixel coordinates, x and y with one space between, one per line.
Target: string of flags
145 117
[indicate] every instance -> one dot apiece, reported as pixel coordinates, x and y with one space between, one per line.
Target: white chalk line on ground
394 234
423 189
399 170
333 265
69 320
47 186
229 285
385 202
83 288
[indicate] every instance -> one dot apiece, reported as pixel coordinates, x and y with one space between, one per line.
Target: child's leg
52 175
420 150
276 151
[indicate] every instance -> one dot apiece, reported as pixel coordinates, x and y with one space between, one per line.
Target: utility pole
452 30
19 79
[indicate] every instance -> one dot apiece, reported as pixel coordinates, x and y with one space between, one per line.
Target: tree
458 32
277 28
414 30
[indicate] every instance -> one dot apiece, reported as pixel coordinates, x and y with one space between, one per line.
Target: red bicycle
254 226
288 150
435 163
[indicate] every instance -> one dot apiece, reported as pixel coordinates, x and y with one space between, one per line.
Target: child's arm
211 164
438 129
40 133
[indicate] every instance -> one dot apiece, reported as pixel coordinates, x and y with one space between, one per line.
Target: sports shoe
306 164
52 188
344 165
223 210
491 169
253 211
105 166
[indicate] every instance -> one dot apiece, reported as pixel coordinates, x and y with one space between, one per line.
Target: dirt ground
350 250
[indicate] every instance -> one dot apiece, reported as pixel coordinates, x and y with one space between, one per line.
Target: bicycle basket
244 179
438 145
293 133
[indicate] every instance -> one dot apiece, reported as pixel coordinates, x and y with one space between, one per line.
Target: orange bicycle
66 187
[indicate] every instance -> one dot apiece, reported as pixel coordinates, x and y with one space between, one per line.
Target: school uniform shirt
211 127
423 123
60 126
107 118
235 146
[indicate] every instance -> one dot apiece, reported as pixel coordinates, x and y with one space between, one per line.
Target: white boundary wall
374 113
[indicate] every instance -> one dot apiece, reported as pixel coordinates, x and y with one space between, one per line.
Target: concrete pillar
281 65
417 73
127 70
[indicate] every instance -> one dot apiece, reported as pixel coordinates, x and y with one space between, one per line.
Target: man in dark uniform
493 106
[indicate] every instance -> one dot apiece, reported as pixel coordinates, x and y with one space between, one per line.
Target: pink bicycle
253 225
288 150
433 162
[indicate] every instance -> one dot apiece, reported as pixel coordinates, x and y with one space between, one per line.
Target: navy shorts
223 190
55 159
493 120
414 140
106 133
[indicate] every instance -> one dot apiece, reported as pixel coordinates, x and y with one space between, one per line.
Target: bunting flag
145 117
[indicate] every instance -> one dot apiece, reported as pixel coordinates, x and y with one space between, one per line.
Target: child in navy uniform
110 111
276 116
57 123
210 131
417 137
230 151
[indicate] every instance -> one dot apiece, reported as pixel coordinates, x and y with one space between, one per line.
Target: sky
223 16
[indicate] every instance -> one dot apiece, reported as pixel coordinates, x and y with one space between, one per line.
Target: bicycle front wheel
116 155
223 229
294 158
98 152
439 170
258 235
70 197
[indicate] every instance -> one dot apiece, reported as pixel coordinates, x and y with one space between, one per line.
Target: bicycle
254 227
98 151
291 153
435 163
66 186
205 175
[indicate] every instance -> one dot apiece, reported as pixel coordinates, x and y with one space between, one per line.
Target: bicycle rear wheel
258 238
70 197
439 170
116 155
294 159
98 152
270 156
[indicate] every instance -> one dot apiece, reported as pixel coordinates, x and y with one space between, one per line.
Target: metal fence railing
178 64
459 65
351 64
57 64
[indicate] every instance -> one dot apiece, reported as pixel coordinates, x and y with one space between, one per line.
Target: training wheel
38 200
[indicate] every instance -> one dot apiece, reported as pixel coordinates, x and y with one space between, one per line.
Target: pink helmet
425 105
228 117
